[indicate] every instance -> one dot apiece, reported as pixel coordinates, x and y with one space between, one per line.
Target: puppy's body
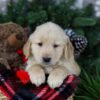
49 51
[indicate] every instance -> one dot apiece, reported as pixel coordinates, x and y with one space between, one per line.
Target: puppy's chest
47 69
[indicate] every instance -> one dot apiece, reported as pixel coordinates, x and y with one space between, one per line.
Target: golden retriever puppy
50 51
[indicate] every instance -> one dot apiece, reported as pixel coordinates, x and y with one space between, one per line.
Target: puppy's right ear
27 48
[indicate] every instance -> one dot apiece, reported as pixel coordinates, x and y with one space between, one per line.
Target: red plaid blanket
12 87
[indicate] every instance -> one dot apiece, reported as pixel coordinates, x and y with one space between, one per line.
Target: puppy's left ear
27 48
68 50
69 57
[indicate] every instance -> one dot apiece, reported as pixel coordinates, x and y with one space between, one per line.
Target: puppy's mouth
47 64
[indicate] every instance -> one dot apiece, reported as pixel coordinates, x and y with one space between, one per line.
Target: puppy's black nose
46 59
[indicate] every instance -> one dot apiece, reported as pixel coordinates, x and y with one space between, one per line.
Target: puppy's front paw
55 80
37 76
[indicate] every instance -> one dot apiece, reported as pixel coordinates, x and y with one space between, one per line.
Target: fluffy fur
50 41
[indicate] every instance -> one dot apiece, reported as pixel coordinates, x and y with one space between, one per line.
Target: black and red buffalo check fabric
12 87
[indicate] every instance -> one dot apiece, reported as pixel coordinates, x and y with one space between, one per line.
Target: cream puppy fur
49 50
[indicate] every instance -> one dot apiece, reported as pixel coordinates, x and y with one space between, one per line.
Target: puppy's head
48 44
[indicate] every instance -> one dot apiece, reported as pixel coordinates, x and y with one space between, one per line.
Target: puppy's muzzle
46 59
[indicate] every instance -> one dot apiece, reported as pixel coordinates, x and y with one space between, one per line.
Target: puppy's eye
55 45
40 44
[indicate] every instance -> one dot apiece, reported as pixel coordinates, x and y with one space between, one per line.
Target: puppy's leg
36 74
57 77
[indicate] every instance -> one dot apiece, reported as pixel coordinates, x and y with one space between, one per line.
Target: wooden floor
2 97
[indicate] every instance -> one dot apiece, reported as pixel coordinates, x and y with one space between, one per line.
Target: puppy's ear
27 48
68 50
69 57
